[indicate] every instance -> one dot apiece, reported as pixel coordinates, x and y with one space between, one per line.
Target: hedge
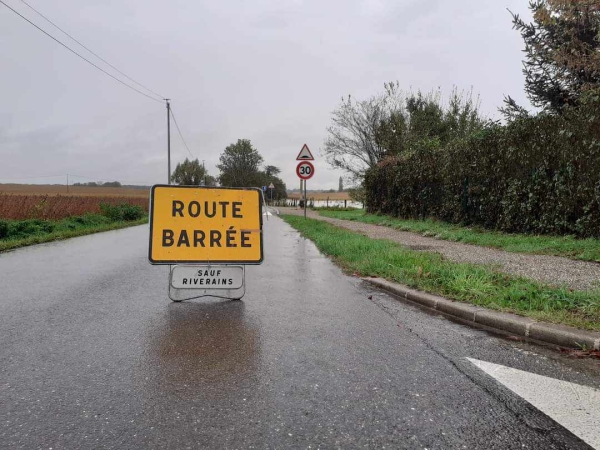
535 175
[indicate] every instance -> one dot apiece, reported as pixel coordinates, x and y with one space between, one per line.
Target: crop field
55 207
52 202
57 189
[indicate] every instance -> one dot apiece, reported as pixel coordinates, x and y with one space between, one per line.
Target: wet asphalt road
94 355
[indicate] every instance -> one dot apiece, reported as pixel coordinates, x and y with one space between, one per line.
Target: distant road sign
271 186
264 188
305 154
192 224
305 170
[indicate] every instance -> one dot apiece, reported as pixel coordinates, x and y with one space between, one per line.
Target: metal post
168 138
305 199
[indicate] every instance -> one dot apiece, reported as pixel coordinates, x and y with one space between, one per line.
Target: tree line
240 165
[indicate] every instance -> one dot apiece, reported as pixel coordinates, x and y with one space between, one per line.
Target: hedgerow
535 175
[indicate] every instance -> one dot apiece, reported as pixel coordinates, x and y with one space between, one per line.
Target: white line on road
575 407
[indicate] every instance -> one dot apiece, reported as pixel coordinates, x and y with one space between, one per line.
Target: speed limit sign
305 170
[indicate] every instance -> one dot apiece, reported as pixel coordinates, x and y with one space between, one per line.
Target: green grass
475 284
21 233
566 246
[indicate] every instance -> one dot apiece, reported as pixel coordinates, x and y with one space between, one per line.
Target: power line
82 57
181 135
93 53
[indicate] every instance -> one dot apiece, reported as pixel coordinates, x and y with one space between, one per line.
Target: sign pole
168 139
305 170
305 199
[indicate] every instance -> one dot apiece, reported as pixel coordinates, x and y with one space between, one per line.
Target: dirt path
581 275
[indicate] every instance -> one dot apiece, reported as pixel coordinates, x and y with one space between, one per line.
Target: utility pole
203 174
168 138
67 183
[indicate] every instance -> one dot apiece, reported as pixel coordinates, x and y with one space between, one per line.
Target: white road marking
575 407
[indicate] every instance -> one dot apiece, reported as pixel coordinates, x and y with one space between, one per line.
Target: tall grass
566 246
475 284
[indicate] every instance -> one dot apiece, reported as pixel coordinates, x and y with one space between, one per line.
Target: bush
3 229
122 212
535 175
24 228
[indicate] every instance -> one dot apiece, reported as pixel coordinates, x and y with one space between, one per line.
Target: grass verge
566 246
21 233
474 284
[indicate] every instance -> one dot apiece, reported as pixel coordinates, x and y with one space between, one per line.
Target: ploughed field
61 189
53 202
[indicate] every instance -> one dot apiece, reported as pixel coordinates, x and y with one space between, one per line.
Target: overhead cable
92 52
82 57
181 135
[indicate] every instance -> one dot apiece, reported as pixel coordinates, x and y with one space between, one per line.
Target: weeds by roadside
20 233
478 285
566 246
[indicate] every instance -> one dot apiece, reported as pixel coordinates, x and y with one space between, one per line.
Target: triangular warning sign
305 154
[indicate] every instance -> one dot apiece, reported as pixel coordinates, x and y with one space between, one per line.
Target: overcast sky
269 70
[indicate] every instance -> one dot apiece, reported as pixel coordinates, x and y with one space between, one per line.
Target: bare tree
352 144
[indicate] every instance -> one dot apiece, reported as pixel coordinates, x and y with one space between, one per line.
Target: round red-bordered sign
305 170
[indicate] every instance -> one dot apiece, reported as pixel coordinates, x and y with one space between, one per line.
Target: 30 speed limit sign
305 170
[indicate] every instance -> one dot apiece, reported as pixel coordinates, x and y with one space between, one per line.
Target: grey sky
270 71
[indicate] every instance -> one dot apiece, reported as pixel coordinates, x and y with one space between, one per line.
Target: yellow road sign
191 224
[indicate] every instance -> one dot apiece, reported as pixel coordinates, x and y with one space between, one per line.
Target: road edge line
561 335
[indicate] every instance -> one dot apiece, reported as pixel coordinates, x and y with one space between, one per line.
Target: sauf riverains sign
197 225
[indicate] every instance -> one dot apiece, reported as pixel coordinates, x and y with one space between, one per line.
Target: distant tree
562 54
240 165
280 190
363 133
357 194
341 185
191 173
111 184
272 170
209 180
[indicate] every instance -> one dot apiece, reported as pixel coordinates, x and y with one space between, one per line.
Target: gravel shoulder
580 275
